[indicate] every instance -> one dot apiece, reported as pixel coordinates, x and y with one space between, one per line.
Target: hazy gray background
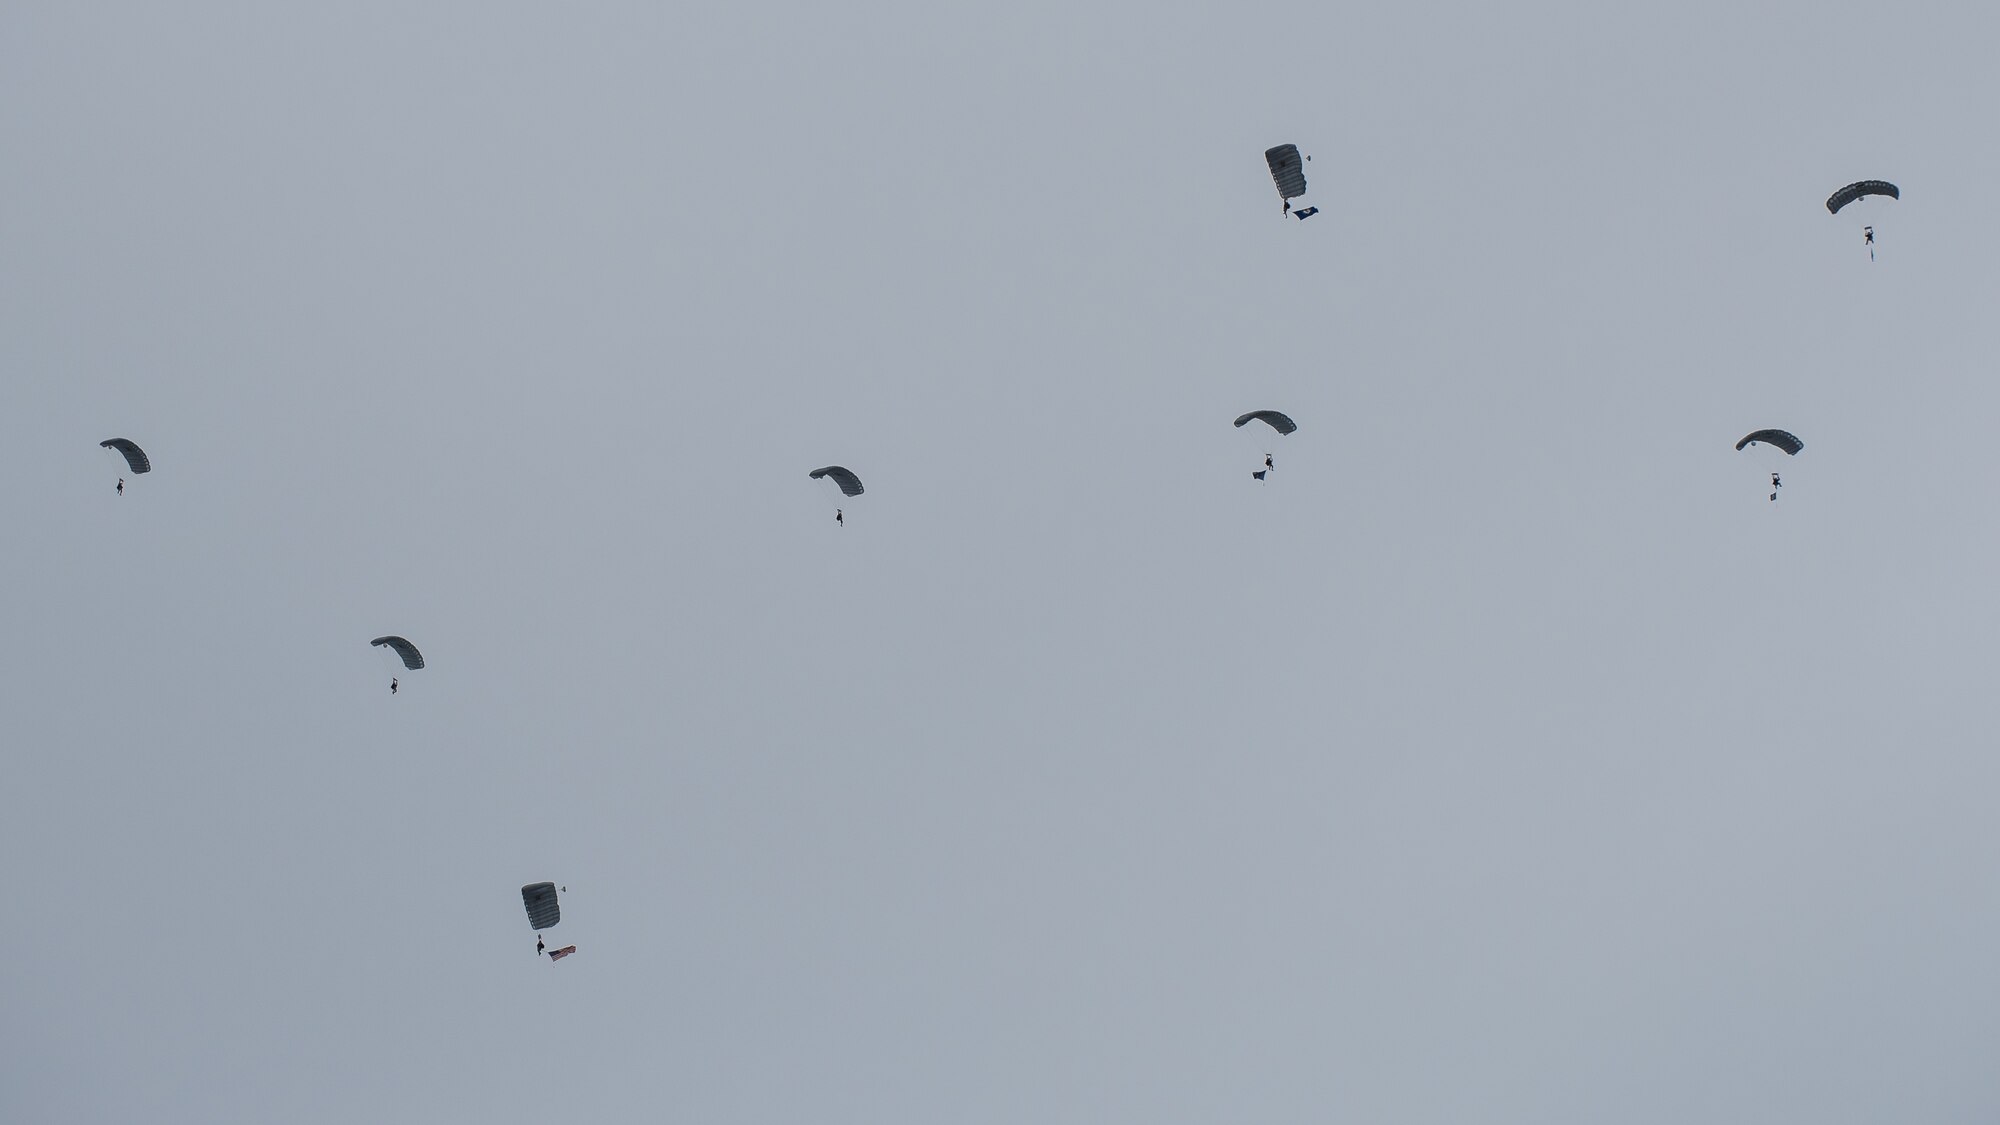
1506 758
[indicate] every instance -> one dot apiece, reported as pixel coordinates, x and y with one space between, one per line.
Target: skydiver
1776 484
840 517
1267 462
392 685
539 946
1868 240
121 486
1288 208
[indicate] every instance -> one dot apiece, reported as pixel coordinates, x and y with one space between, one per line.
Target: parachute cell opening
412 659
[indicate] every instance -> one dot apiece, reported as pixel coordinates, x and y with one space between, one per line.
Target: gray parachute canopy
1278 421
848 482
1287 170
1778 438
412 659
134 456
543 909
1856 190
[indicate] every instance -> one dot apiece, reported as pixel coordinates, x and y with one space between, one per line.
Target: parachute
1858 189
1278 421
1776 438
412 659
134 456
1287 171
543 909
848 482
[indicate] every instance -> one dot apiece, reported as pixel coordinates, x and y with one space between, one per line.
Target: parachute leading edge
543 909
412 659
848 482
134 456
1776 438
1277 421
1857 190
1287 170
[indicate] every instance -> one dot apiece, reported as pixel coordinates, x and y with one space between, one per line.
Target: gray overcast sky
1507 757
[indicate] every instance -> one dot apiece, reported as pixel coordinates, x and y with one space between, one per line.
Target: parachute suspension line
1772 451
1265 431
1287 173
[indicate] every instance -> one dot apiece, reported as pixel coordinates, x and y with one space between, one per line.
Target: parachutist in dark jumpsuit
840 517
538 945
1267 462
1868 240
1776 484
121 486
1288 208
392 685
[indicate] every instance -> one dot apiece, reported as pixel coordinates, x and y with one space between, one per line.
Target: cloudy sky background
1507 757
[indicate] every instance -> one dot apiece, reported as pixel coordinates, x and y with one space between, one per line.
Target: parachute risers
1764 447
1861 189
1288 173
1279 423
